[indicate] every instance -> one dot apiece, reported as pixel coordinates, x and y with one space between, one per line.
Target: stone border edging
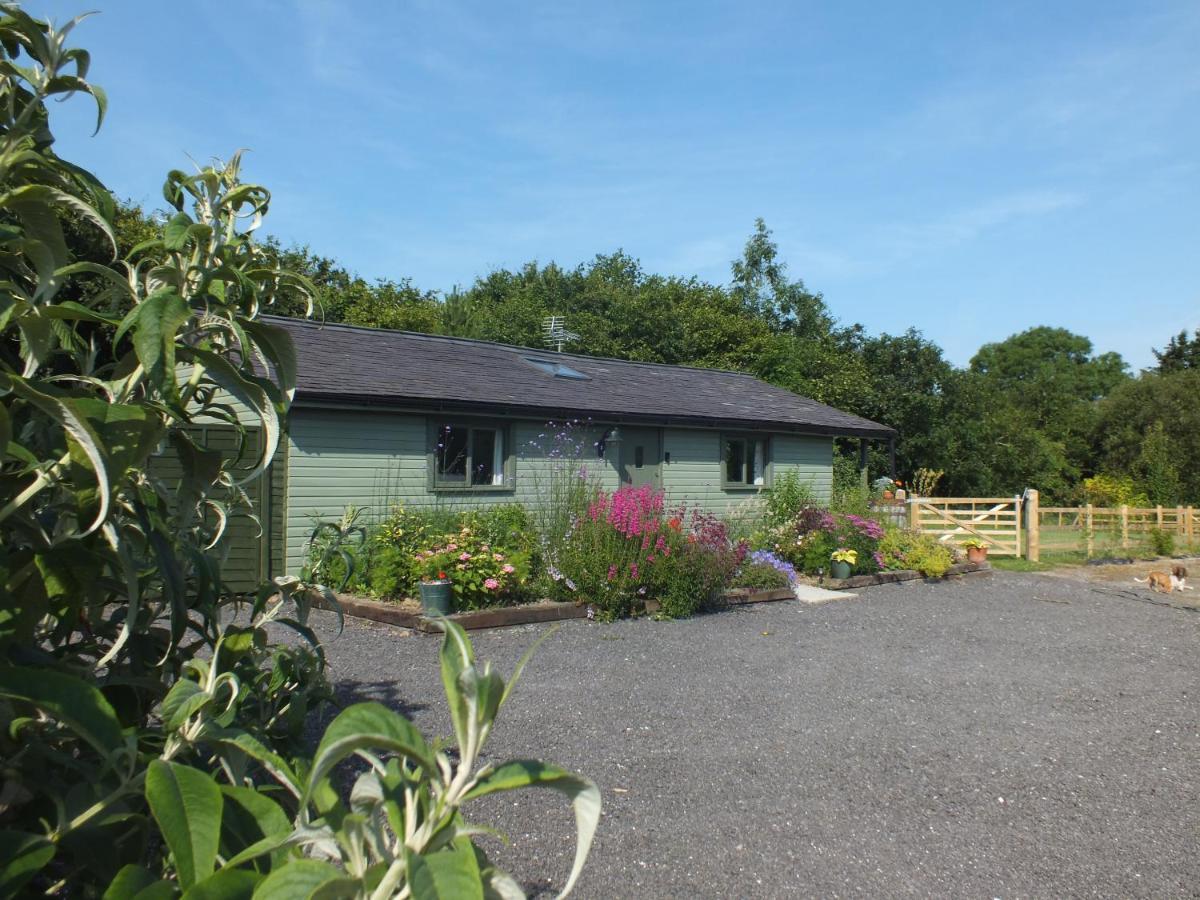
860 581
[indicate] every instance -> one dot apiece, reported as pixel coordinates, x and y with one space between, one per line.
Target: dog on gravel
1160 582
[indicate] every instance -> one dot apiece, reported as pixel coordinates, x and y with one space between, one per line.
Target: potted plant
976 550
842 560
884 486
437 596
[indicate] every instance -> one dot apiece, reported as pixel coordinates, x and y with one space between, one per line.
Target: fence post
1089 534
914 514
1124 526
1033 549
1191 525
1158 518
1179 529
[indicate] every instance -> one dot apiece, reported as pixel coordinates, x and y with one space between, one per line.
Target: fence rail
1089 527
1020 526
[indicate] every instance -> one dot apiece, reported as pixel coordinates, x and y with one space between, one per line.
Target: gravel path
1003 736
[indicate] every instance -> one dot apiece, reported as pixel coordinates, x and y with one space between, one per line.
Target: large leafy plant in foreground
401 833
149 726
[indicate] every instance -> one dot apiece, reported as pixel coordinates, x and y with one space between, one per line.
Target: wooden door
641 457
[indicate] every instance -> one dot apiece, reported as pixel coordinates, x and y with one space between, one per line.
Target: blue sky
970 169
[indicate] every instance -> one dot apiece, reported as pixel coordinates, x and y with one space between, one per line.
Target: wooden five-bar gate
996 521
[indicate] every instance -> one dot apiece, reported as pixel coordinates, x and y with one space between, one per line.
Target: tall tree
1180 353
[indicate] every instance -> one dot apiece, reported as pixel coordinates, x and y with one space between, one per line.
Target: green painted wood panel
693 474
375 459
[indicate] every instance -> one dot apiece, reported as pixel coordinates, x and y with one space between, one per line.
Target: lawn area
1002 736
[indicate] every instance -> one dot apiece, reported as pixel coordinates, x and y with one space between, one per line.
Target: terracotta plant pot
838 569
977 554
889 495
437 598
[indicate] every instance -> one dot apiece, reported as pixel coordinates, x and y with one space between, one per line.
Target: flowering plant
481 574
844 554
625 548
973 543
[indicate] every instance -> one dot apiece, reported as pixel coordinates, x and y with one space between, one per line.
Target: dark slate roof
347 364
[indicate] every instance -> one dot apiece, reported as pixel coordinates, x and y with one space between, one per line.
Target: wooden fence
1020 526
1094 529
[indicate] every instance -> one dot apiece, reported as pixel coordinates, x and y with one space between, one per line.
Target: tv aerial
555 334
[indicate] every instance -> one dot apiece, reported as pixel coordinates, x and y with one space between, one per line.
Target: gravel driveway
1001 736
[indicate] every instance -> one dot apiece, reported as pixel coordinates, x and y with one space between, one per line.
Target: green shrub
783 501
901 548
1162 542
481 574
759 576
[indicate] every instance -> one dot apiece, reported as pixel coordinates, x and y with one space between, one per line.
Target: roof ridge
555 354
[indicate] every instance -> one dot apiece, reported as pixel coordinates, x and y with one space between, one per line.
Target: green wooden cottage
382 417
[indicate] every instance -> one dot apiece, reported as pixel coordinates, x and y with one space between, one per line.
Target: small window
557 369
469 457
744 462
639 457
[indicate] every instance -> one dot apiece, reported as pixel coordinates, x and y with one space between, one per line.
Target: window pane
483 456
639 457
735 461
452 455
757 463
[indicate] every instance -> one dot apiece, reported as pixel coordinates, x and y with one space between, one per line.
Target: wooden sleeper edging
501 617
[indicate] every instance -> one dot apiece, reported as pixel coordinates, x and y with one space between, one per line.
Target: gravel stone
1008 736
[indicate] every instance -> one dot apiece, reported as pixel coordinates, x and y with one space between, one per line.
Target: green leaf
456 657
251 824
155 322
187 806
250 391
451 874
183 701
583 794
74 423
175 232
301 878
256 750
367 726
228 884
276 344
135 881
76 703
22 856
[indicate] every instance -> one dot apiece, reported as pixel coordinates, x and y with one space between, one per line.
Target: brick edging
861 581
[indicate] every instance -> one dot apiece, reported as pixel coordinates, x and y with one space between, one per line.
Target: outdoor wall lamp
611 436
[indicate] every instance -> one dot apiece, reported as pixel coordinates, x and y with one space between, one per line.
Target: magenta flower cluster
631 511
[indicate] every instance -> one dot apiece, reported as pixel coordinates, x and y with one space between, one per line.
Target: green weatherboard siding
376 459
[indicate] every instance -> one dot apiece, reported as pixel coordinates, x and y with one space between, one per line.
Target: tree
1180 353
1133 408
1156 469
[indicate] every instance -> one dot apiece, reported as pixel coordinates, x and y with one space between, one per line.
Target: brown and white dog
1160 582
1165 582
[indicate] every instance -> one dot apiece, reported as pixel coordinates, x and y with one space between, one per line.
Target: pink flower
491 584
498 557
633 570
507 569
464 556
452 546
612 572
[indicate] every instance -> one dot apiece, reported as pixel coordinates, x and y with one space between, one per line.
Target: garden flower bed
609 554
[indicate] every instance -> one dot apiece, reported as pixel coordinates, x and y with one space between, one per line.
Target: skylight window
557 369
